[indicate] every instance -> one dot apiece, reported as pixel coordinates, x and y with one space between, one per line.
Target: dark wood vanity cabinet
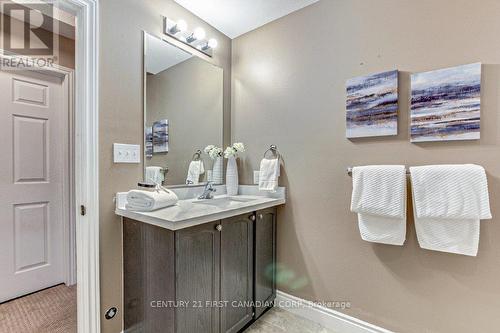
265 260
214 277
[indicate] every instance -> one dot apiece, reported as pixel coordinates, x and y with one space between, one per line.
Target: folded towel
448 203
150 200
379 198
379 190
196 168
451 191
154 174
269 174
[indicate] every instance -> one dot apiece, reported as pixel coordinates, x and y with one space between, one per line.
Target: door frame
86 124
86 149
85 188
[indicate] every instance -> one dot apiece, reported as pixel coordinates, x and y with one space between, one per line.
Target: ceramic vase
217 173
232 176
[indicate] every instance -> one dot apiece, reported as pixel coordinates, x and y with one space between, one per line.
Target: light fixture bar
195 39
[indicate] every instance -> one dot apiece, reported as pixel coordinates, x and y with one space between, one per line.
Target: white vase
232 176
218 172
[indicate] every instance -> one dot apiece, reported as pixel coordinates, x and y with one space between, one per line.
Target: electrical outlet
123 153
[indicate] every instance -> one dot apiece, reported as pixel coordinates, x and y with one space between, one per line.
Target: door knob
219 227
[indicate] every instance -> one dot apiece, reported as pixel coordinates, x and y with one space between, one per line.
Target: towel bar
349 172
273 149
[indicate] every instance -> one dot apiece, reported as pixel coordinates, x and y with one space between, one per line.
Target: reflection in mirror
182 115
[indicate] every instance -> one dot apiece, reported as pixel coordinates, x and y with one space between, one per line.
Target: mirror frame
171 41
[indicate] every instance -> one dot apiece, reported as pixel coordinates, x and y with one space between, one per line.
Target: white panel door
33 147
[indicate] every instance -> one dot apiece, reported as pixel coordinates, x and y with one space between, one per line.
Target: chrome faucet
208 192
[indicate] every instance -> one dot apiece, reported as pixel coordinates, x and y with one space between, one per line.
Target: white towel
379 198
448 203
150 200
269 174
451 191
154 174
196 168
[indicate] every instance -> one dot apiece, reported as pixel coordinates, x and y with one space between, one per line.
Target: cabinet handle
261 216
219 227
252 217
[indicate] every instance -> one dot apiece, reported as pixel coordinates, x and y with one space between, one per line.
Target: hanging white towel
150 200
379 198
195 170
269 174
448 203
154 174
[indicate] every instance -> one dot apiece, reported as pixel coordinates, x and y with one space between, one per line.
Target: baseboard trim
328 318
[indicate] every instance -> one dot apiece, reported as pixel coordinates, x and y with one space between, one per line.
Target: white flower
209 148
213 151
239 146
230 152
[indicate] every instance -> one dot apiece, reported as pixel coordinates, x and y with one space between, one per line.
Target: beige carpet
51 310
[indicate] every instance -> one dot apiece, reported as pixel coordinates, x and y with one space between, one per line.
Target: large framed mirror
183 114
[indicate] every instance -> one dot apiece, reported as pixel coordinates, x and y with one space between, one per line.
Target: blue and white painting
445 104
372 105
149 141
160 136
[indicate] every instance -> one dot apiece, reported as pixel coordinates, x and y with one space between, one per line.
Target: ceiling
161 55
236 17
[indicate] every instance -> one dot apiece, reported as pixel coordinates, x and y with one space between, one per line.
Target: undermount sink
224 201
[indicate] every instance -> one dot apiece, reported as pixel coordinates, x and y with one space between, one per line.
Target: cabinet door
197 253
236 272
148 277
265 259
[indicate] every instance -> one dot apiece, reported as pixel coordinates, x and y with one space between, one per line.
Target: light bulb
181 25
199 33
212 43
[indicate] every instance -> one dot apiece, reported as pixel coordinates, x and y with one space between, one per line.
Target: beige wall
289 89
121 118
189 95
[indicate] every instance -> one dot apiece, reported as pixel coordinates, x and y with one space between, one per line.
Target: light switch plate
123 153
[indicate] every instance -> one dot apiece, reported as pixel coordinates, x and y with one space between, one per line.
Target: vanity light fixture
211 44
195 39
179 26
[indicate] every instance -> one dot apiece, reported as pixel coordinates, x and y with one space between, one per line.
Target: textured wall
288 86
121 118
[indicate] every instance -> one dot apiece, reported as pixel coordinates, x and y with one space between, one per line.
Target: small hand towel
379 198
154 174
150 200
195 169
269 174
448 203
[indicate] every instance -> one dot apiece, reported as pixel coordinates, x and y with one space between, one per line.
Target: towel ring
273 149
197 155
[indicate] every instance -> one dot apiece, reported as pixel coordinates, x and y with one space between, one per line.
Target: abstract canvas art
160 136
149 142
445 104
372 105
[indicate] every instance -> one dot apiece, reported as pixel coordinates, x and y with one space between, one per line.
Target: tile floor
278 320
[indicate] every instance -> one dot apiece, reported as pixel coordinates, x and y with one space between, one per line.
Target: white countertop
191 211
